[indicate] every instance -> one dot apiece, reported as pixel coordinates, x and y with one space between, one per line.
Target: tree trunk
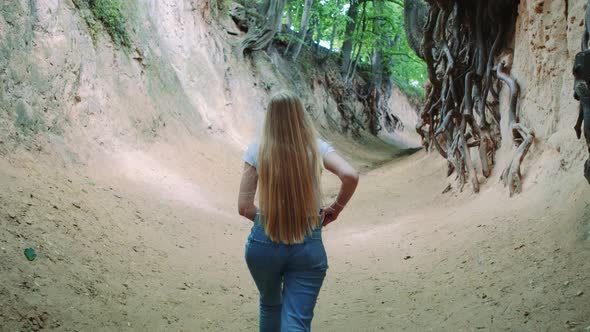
318 26
334 24
292 31
302 30
289 20
415 15
259 38
392 122
377 69
350 29
351 70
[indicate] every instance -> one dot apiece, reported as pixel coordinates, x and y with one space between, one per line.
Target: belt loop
257 221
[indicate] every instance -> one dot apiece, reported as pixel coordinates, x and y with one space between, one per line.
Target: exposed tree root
522 137
586 119
461 41
582 91
514 89
578 126
512 176
261 36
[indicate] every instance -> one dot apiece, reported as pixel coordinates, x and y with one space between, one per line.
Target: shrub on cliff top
107 13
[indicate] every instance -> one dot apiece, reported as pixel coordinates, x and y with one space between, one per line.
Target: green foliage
267 85
108 12
282 37
105 14
223 6
383 23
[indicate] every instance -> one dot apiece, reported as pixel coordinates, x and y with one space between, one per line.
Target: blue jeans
288 278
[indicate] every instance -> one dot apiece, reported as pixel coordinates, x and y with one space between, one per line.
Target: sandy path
148 241
422 261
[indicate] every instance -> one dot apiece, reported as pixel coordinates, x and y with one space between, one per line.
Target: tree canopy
376 29
368 36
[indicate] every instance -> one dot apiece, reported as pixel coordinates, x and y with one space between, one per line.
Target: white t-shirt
251 154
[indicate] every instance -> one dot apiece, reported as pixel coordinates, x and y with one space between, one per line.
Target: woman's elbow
242 210
351 177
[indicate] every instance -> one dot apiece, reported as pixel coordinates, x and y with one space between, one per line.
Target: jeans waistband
258 234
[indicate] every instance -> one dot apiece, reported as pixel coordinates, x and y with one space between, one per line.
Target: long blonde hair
289 169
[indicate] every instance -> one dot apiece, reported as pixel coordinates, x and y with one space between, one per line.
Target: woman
284 251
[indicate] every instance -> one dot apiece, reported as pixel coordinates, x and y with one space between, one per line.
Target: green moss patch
105 14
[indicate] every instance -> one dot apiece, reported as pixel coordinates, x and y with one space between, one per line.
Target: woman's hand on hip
331 213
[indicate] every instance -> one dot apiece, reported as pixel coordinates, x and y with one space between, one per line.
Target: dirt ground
149 239
130 200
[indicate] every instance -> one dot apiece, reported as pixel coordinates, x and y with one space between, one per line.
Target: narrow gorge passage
164 262
123 124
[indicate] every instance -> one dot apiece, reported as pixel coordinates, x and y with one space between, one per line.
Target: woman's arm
349 178
248 187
